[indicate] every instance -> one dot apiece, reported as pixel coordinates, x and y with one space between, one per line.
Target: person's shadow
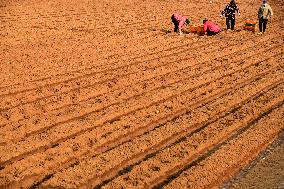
166 31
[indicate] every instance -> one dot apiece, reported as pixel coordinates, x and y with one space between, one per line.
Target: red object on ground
250 25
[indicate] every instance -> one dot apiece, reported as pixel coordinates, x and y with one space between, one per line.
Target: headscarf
187 21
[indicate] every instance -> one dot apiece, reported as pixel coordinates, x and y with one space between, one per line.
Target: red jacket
210 26
180 19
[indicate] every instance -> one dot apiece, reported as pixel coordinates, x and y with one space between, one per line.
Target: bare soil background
97 94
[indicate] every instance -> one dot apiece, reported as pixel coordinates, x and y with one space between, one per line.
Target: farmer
210 28
264 13
179 21
229 13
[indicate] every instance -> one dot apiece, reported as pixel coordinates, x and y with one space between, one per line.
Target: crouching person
179 22
210 28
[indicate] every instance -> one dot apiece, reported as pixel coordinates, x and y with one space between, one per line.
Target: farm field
103 94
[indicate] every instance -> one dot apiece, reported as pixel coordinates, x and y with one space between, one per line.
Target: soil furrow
230 122
38 94
127 160
108 146
112 69
103 94
85 71
74 83
79 132
240 150
174 173
121 94
174 40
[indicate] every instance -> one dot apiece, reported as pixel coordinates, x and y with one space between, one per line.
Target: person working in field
264 13
210 28
229 13
179 22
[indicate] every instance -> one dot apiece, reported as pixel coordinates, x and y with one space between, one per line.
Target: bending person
179 22
210 28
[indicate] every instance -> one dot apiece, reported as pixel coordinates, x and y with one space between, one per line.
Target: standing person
229 13
179 21
210 28
264 13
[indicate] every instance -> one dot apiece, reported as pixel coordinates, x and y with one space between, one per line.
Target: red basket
250 25
193 28
200 30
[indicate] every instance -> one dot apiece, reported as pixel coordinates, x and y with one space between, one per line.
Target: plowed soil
103 94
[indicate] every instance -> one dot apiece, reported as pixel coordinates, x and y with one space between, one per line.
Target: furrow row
188 147
28 126
109 115
88 139
233 154
98 101
54 88
104 161
105 61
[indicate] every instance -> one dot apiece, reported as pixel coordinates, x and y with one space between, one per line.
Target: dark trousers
230 22
210 33
175 23
262 24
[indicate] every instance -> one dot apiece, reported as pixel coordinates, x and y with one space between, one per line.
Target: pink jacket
180 19
208 25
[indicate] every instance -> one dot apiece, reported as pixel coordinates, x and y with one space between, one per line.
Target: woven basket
250 25
200 30
193 28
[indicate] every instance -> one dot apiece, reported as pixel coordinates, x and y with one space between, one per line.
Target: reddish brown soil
99 94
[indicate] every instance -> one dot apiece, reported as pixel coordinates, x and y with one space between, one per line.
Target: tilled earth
99 94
